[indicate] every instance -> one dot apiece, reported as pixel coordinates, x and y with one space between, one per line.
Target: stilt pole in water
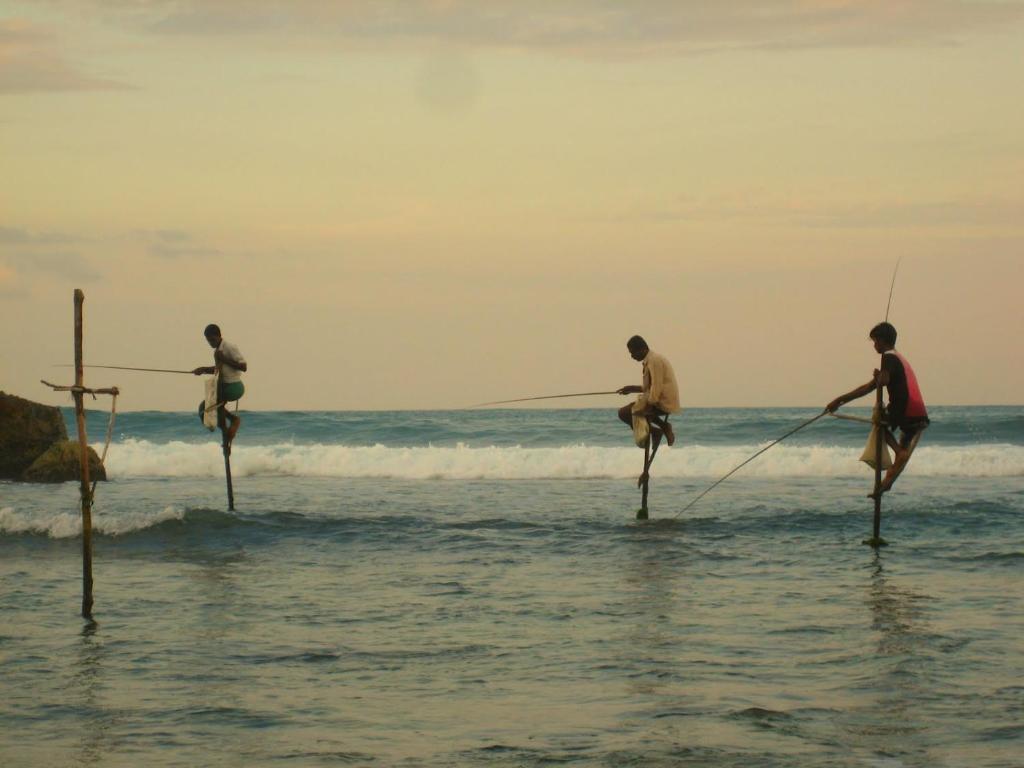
83 444
876 539
227 469
641 514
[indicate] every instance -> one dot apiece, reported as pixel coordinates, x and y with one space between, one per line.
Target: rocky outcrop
34 444
27 430
60 462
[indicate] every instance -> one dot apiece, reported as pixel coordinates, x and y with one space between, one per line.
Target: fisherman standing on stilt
906 408
229 362
659 393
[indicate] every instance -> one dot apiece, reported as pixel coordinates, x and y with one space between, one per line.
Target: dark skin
658 424
219 357
902 455
224 419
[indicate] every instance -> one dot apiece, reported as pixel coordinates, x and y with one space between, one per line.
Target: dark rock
27 429
61 463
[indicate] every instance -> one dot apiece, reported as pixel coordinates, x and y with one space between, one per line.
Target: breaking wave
63 525
140 458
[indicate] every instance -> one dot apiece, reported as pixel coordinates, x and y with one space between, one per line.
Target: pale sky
429 204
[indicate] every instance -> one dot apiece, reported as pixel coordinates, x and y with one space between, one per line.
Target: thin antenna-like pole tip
892 286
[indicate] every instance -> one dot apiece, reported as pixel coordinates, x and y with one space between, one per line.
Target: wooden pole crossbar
83 390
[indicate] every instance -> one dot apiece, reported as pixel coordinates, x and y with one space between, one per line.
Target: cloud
9 235
810 211
64 264
171 235
164 251
448 82
24 253
580 27
174 244
945 214
31 61
24 248
13 236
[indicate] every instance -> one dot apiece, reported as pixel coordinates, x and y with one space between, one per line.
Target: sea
472 588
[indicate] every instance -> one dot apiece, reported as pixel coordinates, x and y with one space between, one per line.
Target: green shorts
229 391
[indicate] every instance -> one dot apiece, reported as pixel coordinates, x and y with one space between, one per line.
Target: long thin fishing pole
545 397
126 368
775 442
892 286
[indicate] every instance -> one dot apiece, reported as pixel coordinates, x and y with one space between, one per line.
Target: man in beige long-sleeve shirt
660 391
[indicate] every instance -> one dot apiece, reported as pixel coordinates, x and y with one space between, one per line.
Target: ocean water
471 588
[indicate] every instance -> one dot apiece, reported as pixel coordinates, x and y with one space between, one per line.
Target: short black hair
211 330
636 342
884 332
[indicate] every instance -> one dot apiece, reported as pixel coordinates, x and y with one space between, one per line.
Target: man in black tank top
893 376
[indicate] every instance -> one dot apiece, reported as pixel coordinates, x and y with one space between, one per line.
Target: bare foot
670 435
882 489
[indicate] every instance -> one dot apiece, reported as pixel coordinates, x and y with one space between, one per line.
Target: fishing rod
126 368
888 306
892 286
774 442
545 397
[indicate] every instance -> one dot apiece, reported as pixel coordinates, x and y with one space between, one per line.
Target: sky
409 204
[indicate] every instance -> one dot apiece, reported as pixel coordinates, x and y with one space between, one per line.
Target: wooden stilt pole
227 468
83 444
641 514
876 539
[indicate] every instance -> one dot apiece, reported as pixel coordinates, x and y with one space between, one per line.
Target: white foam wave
140 458
65 525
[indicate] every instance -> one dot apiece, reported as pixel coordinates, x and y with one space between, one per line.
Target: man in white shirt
228 360
660 392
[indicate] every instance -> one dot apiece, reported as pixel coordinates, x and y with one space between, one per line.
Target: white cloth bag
641 429
210 414
868 457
